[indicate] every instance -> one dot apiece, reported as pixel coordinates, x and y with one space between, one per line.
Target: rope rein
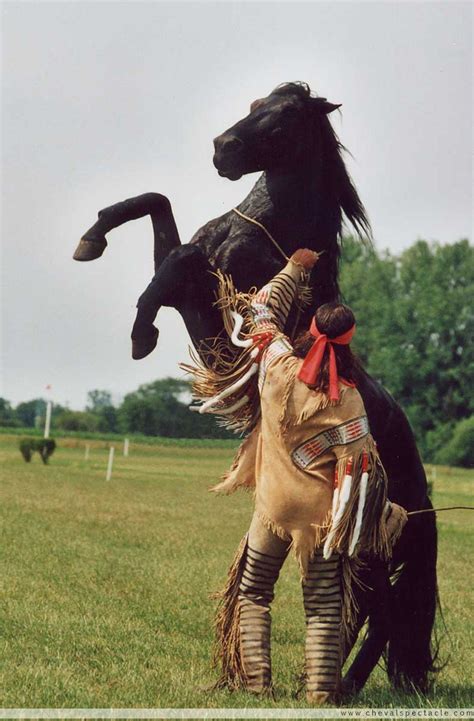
445 508
262 227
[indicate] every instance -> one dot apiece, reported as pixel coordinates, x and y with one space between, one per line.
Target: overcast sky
103 101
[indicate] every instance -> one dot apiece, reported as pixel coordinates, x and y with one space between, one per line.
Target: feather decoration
343 499
238 322
233 388
335 495
360 508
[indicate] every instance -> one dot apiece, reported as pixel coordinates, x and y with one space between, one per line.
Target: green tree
161 408
98 399
32 413
99 402
28 411
7 414
415 324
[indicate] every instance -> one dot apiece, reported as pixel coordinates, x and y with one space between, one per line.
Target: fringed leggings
264 558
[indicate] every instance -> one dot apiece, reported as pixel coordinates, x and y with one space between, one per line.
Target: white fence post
126 446
86 452
47 424
110 464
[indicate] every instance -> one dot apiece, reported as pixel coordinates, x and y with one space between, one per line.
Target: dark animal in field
44 446
301 198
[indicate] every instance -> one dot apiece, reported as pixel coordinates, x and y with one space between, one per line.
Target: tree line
415 324
160 408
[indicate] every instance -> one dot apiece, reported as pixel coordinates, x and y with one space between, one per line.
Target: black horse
300 199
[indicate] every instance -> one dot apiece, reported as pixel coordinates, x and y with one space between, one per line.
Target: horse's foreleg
184 281
157 206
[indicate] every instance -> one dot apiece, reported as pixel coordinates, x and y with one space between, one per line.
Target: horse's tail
413 647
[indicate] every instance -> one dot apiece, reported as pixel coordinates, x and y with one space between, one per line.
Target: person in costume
319 486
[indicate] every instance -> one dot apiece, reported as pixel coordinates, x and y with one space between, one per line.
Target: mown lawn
106 585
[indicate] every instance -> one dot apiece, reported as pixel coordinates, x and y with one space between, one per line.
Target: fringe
227 626
319 402
350 577
321 531
274 527
230 482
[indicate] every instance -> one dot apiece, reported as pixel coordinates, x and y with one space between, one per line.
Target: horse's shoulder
212 232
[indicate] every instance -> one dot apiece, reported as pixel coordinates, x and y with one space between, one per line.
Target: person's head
332 320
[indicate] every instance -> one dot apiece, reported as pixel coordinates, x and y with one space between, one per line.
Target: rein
267 233
445 508
282 252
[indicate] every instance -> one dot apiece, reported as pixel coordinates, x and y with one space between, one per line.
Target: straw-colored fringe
273 527
227 647
350 576
305 293
321 531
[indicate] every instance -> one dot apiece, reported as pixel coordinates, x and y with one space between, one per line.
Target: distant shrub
437 439
44 446
26 448
459 450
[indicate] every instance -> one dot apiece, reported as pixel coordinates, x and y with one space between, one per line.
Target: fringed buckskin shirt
299 455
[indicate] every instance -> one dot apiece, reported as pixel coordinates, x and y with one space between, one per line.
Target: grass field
106 585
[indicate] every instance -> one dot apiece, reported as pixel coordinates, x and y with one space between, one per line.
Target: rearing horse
300 199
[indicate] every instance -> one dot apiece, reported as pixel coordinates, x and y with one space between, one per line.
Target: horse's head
277 131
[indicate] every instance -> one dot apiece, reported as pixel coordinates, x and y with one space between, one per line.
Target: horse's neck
297 209
291 205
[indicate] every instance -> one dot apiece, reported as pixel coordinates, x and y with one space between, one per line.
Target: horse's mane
338 183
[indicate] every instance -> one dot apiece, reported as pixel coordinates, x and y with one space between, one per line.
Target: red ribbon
310 369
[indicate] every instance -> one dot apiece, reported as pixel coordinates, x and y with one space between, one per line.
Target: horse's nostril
231 145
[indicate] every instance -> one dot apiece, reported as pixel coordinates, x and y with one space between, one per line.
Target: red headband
310 369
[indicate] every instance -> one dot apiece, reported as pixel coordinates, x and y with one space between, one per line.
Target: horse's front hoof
141 347
90 249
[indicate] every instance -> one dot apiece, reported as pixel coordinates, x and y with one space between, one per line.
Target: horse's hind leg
157 206
377 635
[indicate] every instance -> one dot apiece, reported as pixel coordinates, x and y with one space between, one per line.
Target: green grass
106 585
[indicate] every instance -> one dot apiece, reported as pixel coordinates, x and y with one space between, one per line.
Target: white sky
103 101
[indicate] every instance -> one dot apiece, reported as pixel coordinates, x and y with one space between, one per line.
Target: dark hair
332 319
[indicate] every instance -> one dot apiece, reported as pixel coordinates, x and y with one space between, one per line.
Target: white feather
231 389
234 407
344 497
335 499
238 322
360 512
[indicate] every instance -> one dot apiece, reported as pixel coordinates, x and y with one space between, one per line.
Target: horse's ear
324 106
256 104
